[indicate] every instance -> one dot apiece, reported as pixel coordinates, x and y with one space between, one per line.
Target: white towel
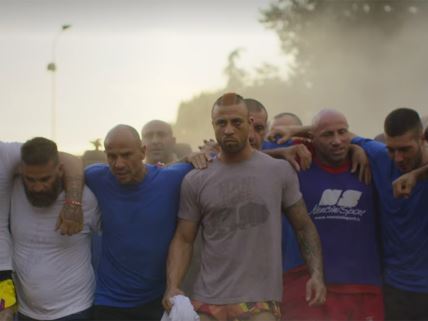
182 310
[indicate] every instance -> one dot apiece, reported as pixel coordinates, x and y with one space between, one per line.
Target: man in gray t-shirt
237 202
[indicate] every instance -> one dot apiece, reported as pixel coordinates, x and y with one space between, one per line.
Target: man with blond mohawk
237 203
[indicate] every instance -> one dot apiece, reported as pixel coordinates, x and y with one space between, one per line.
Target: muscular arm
70 220
287 132
403 186
179 256
422 173
310 247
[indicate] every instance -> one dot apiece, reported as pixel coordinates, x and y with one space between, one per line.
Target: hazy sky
120 62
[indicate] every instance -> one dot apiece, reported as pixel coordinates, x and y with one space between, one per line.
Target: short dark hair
280 115
402 120
39 151
228 99
254 106
426 133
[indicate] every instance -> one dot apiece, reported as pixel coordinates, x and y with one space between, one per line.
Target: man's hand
210 148
280 133
316 291
198 160
403 186
170 293
7 314
360 163
285 133
297 155
70 219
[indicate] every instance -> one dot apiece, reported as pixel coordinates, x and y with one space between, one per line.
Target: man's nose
38 187
398 156
229 130
119 163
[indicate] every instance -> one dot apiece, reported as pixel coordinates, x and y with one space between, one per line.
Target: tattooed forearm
310 248
73 186
70 220
307 236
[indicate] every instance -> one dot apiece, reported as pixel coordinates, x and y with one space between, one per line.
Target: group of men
359 248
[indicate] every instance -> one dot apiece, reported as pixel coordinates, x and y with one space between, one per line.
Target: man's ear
251 120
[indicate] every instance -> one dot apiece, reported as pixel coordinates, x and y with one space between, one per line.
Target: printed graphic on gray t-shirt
239 208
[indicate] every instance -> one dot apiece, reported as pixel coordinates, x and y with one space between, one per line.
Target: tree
235 75
364 57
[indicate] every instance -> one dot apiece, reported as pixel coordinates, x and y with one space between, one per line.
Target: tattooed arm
310 247
70 220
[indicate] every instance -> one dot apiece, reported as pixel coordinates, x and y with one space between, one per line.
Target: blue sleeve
180 169
382 166
273 145
376 151
92 173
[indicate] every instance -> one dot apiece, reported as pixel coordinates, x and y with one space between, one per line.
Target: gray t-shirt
239 209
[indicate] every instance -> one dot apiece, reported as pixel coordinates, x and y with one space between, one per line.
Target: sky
120 61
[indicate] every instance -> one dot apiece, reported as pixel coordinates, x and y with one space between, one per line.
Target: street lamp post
52 68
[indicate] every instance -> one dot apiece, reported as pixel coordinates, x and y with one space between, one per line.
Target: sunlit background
132 61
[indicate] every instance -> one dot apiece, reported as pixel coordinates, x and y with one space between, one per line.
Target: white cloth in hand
182 310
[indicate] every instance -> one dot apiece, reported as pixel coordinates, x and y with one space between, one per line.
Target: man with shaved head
139 204
159 142
237 203
259 118
282 120
343 210
286 119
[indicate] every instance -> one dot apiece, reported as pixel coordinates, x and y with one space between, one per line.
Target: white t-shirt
54 276
10 154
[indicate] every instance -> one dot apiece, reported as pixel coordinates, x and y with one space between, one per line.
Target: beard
232 146
45 198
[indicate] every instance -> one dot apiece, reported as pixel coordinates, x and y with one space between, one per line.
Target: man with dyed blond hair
237 203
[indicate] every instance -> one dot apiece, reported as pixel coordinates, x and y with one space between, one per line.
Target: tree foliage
365 57
362 57
297 22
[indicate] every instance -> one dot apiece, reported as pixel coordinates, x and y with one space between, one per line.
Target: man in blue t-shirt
343 210
404 221
139 204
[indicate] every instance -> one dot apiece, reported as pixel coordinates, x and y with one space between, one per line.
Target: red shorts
237 312
344 302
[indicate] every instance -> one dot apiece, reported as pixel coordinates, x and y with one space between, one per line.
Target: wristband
7 294
72 202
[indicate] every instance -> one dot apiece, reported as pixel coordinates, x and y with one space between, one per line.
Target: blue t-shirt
404 223
344 211
138 223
